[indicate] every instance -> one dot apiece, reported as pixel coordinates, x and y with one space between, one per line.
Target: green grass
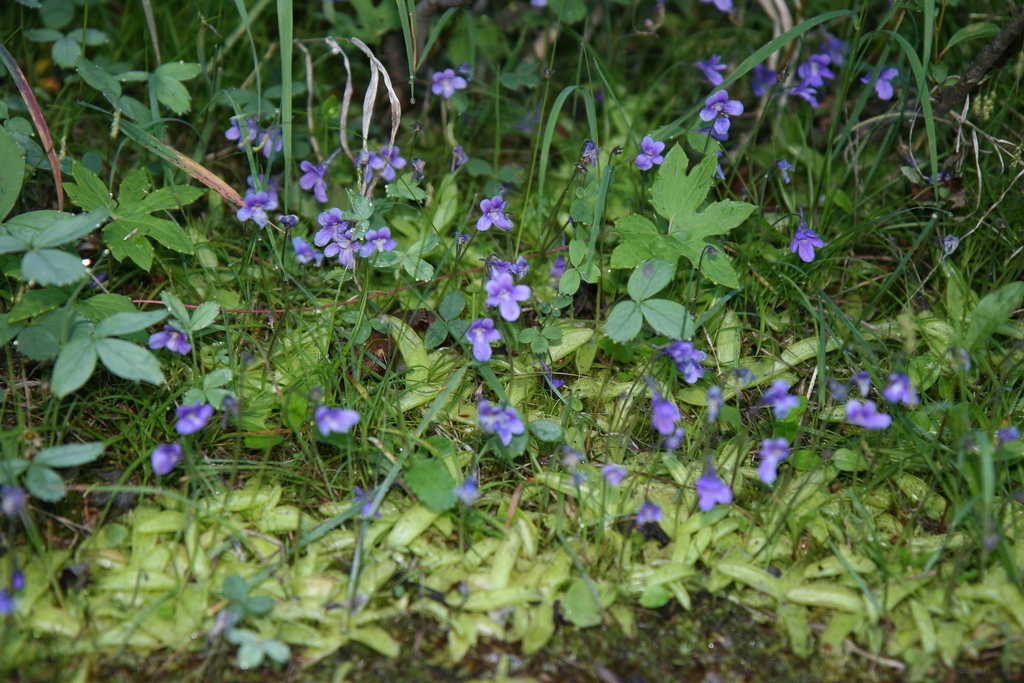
901 548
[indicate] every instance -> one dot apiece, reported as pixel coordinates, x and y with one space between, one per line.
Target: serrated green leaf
640 242
624 322
204 316
137 248
51 267
163 231
668 318
44 484
134 188
69 455
167 199
649 278
71 227
97 307
36 302
74 366
120 324
129 361
88 191
12 171
430 480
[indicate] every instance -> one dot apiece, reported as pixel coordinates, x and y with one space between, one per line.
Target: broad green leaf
430 480
41 340
640 241
166 199
88 191
847 460
71 228
579 605
204 316
276 650
69 455
100 306
403 189
973 32
36 302
43 35
435 334
179 71
237 591
582 211
546 430
8 330
177 309
136 247
12 171
129 361
94 37
249 656
51 267
668 318
125 323
163 231
9 244
134 188
624 322
649 278
172 94
11 469
569 283
418 268
453 304
98 78
66 51
44 484
74 365
991 312
577 251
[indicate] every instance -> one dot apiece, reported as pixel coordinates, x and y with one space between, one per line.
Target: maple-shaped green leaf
678 196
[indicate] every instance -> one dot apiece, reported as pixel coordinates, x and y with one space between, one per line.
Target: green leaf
8 331
129 361
167 233
12 171
276 650
43 35
847 460
71 228
569 283
74 365
991 312
973 32
453 304
134 188
65 51
259 605
546 430
177 309
137 248
69 455
88 191
577 251
582 212
579 606
41 339
100 306
51 267
98 78
166 199
404 189
172 94
36 302
430 480
418 268
236 590
179 71
435 334
204 316
668 318
249 656
640 241
11 469
624 322
44 484
120 324
649 278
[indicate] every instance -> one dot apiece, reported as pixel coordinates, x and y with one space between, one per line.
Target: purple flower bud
784 167
1007 434
166 457
7 605
687 359
469 491
711 67
558 269
664 414
335 420
304 253
711 491
773 451
862 380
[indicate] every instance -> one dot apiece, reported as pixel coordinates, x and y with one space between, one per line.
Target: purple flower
649 513
1007 434
520 268
862 380
418 165
502 420
335 420
711 491
745 376
12 499
590 152
17 578
613 474
900 390
866 415
506 296
387 163
950 244
465 70
447 82
481 334
166 457
719 108
378 240
558 269
268 185
7 605
170 339
256 206
193 418
270 140
469 491
496 267
711 67
337 234
838 390
304 253
313 177
664 414
773 451
675 439
494 214
288 220
366 499
815 70
762 80
687 359
806 93
724 5
550 376
715 402
785 167
252 127
650 153
805 241
458 157
834 48
779 399
883 88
